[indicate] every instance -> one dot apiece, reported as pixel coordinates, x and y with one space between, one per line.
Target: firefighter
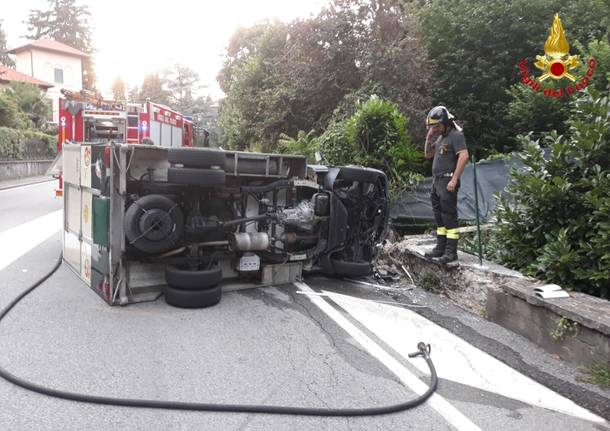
445 144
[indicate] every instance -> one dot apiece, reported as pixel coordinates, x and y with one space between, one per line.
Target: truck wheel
343 268
154 224
192 298
196 177
361 174
197 157
192 280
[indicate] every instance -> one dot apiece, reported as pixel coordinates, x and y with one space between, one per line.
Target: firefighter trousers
444 203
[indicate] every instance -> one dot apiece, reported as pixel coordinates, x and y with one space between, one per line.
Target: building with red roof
8 75
52 62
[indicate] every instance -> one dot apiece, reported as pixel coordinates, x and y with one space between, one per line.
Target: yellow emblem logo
557 61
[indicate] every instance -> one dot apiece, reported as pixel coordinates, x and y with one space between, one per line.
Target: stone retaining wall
13 169
507 297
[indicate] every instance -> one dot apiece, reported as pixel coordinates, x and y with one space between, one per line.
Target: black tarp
413 207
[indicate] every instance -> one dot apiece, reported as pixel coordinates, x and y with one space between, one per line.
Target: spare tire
154 224
192 298
197 157
196 177
192 279
344 268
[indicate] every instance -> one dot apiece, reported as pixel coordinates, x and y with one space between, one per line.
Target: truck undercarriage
192 221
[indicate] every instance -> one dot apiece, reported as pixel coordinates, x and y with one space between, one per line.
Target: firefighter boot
439 249
450 254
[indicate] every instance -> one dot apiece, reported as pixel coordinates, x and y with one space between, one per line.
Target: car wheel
196 177
192 279
200 298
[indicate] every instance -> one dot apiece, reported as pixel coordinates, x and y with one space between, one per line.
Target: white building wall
42 64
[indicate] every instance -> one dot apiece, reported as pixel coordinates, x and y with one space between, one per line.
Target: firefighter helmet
439 115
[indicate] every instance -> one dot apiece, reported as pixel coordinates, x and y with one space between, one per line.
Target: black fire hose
423 350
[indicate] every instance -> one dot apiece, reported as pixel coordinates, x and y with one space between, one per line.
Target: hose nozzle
423 349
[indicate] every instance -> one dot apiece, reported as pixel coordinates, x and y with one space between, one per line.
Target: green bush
600 50
9 110
305 144
374 136
17 144
529 111
378 134
23 106
335 145
554 223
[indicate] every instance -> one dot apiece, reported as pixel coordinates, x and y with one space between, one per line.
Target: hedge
555 222
17 144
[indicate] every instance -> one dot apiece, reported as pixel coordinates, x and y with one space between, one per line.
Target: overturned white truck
141 221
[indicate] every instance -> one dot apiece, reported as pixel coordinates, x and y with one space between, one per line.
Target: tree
153 88
255 110
118 89
182 83
5 59
531 112
476 46
205 118
283 78
9 110
67 23
23 106
133 95
32 103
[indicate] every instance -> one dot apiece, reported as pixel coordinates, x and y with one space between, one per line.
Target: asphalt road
323 343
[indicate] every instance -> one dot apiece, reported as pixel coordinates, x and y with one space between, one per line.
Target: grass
598 374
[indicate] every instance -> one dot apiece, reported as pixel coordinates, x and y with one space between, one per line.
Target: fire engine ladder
133 118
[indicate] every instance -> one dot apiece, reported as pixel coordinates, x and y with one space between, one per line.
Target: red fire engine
86 118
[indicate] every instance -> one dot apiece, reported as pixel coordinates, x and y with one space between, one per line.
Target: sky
134 37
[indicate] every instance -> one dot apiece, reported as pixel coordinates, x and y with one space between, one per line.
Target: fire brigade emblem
88 156
556 61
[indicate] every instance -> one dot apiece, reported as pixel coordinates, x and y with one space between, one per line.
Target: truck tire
197 157
192 280
196 177
358 173
343 268
192 298
154 224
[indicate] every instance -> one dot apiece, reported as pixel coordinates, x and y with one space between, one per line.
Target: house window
59 75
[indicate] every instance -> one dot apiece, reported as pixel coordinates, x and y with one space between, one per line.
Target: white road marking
331 295
455 359
378 286
17 241
438 403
